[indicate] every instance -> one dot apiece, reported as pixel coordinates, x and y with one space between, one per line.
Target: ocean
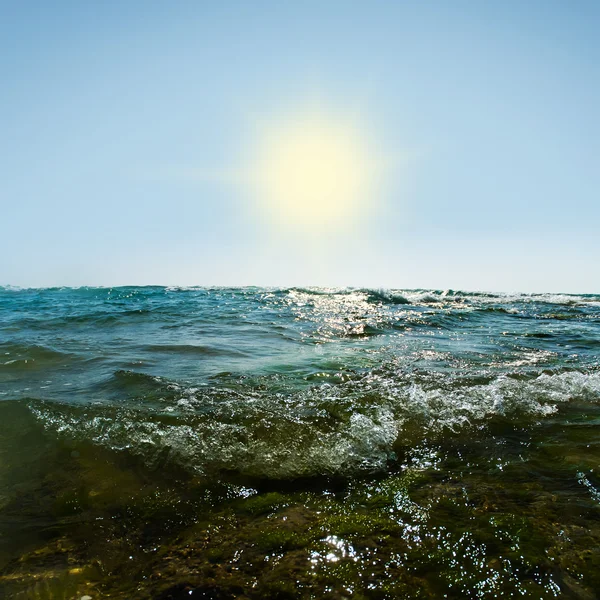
167 443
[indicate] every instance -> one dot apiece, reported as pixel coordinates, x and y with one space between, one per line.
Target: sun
314 172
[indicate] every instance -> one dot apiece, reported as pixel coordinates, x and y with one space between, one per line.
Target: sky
127 131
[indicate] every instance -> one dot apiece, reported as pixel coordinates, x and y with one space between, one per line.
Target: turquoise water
298 443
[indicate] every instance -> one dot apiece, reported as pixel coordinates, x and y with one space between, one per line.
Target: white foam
299 435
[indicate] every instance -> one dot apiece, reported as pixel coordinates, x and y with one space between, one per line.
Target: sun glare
314 172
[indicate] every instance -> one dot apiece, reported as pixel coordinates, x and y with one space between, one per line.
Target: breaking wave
329 430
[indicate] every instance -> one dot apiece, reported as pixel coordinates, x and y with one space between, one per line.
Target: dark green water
290 443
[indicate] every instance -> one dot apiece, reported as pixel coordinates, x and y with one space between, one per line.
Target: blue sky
119 119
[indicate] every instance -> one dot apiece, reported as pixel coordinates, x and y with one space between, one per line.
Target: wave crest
344 429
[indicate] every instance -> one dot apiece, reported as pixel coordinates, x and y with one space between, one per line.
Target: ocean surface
172 443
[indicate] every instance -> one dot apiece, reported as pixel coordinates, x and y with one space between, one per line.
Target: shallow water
298 443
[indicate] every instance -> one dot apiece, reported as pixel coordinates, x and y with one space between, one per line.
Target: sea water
298 443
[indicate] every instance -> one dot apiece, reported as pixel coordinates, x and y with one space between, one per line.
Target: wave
127 385
14 356
107 296
385 296
193 350
316 291
528 298
355 427
424 296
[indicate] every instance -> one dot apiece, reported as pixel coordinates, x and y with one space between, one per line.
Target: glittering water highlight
311 443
